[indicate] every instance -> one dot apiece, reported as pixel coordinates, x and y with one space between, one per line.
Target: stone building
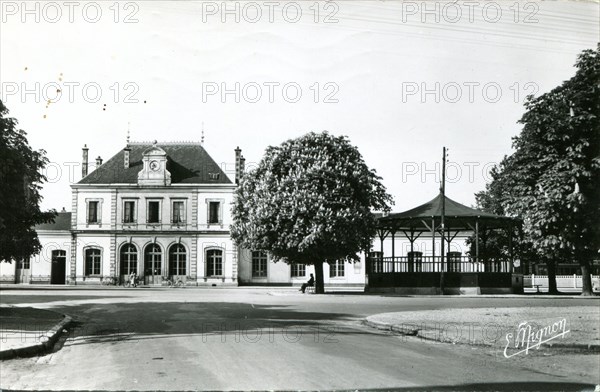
159 210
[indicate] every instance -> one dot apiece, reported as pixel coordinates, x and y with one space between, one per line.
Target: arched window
128 259
93 261
214 262
152 260
177 260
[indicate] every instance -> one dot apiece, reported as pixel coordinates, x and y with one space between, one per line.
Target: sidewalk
27 331
495 327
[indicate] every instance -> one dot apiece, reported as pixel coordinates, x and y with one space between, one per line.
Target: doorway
23 271
152 265
58 268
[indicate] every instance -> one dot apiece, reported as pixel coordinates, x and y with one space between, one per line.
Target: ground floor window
128 259
336 269
152 260
298 270
259 264
214 262
177 260
24 264
93 261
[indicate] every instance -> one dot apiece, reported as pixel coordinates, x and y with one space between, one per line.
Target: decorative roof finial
202 137
128 132
155 142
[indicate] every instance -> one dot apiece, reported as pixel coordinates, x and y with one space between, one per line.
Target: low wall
454 282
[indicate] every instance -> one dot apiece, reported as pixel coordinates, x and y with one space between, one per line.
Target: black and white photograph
300 195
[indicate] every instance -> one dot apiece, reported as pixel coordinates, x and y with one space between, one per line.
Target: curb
49 338
416 332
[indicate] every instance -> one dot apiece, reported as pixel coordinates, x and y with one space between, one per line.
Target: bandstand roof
457 217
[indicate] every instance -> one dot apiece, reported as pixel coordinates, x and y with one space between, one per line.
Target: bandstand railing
434 264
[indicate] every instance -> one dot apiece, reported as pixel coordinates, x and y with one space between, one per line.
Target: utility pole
443 193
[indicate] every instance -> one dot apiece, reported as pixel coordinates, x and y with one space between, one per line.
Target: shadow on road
120 322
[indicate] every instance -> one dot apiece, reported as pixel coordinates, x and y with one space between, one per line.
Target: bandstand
442 219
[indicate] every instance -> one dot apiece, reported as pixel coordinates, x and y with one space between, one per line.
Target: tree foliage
551 180
494 244
21 179
310 200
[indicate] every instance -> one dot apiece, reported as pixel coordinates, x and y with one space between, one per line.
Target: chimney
84 167
98 161
126 151
238 160
242 166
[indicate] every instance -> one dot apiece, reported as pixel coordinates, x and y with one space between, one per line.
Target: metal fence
380 265
562 281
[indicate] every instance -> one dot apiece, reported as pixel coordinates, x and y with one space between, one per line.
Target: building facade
162 211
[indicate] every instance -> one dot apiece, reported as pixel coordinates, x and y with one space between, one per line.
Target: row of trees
552 179
310 200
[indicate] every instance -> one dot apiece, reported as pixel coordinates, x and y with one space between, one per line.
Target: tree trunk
319 285
552 289
586 279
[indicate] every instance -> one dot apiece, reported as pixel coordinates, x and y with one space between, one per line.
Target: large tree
309 201
20 184
552 178
495 244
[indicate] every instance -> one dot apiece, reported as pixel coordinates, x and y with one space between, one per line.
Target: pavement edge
51 338
406 330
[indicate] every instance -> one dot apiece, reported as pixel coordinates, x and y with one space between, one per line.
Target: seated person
311 282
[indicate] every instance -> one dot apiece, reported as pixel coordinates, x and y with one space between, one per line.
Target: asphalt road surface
262 338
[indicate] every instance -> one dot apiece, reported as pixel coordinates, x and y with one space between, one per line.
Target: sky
400 79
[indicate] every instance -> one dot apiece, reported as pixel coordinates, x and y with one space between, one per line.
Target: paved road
173 339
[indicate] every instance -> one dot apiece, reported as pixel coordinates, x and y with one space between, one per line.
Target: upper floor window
336 269
298 270
259 264
92 213
93 261
214 212
154 212
178 212
129 212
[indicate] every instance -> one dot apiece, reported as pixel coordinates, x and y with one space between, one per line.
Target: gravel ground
490 326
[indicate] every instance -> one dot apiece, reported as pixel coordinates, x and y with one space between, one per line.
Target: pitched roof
456 214
188 163
61 222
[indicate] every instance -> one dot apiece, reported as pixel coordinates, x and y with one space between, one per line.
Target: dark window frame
259 264
150 218
337 269
214 263
129 214
214 215
177 260
93 262
298 270
92 213
129 259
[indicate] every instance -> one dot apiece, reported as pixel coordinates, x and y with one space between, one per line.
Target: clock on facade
154 165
